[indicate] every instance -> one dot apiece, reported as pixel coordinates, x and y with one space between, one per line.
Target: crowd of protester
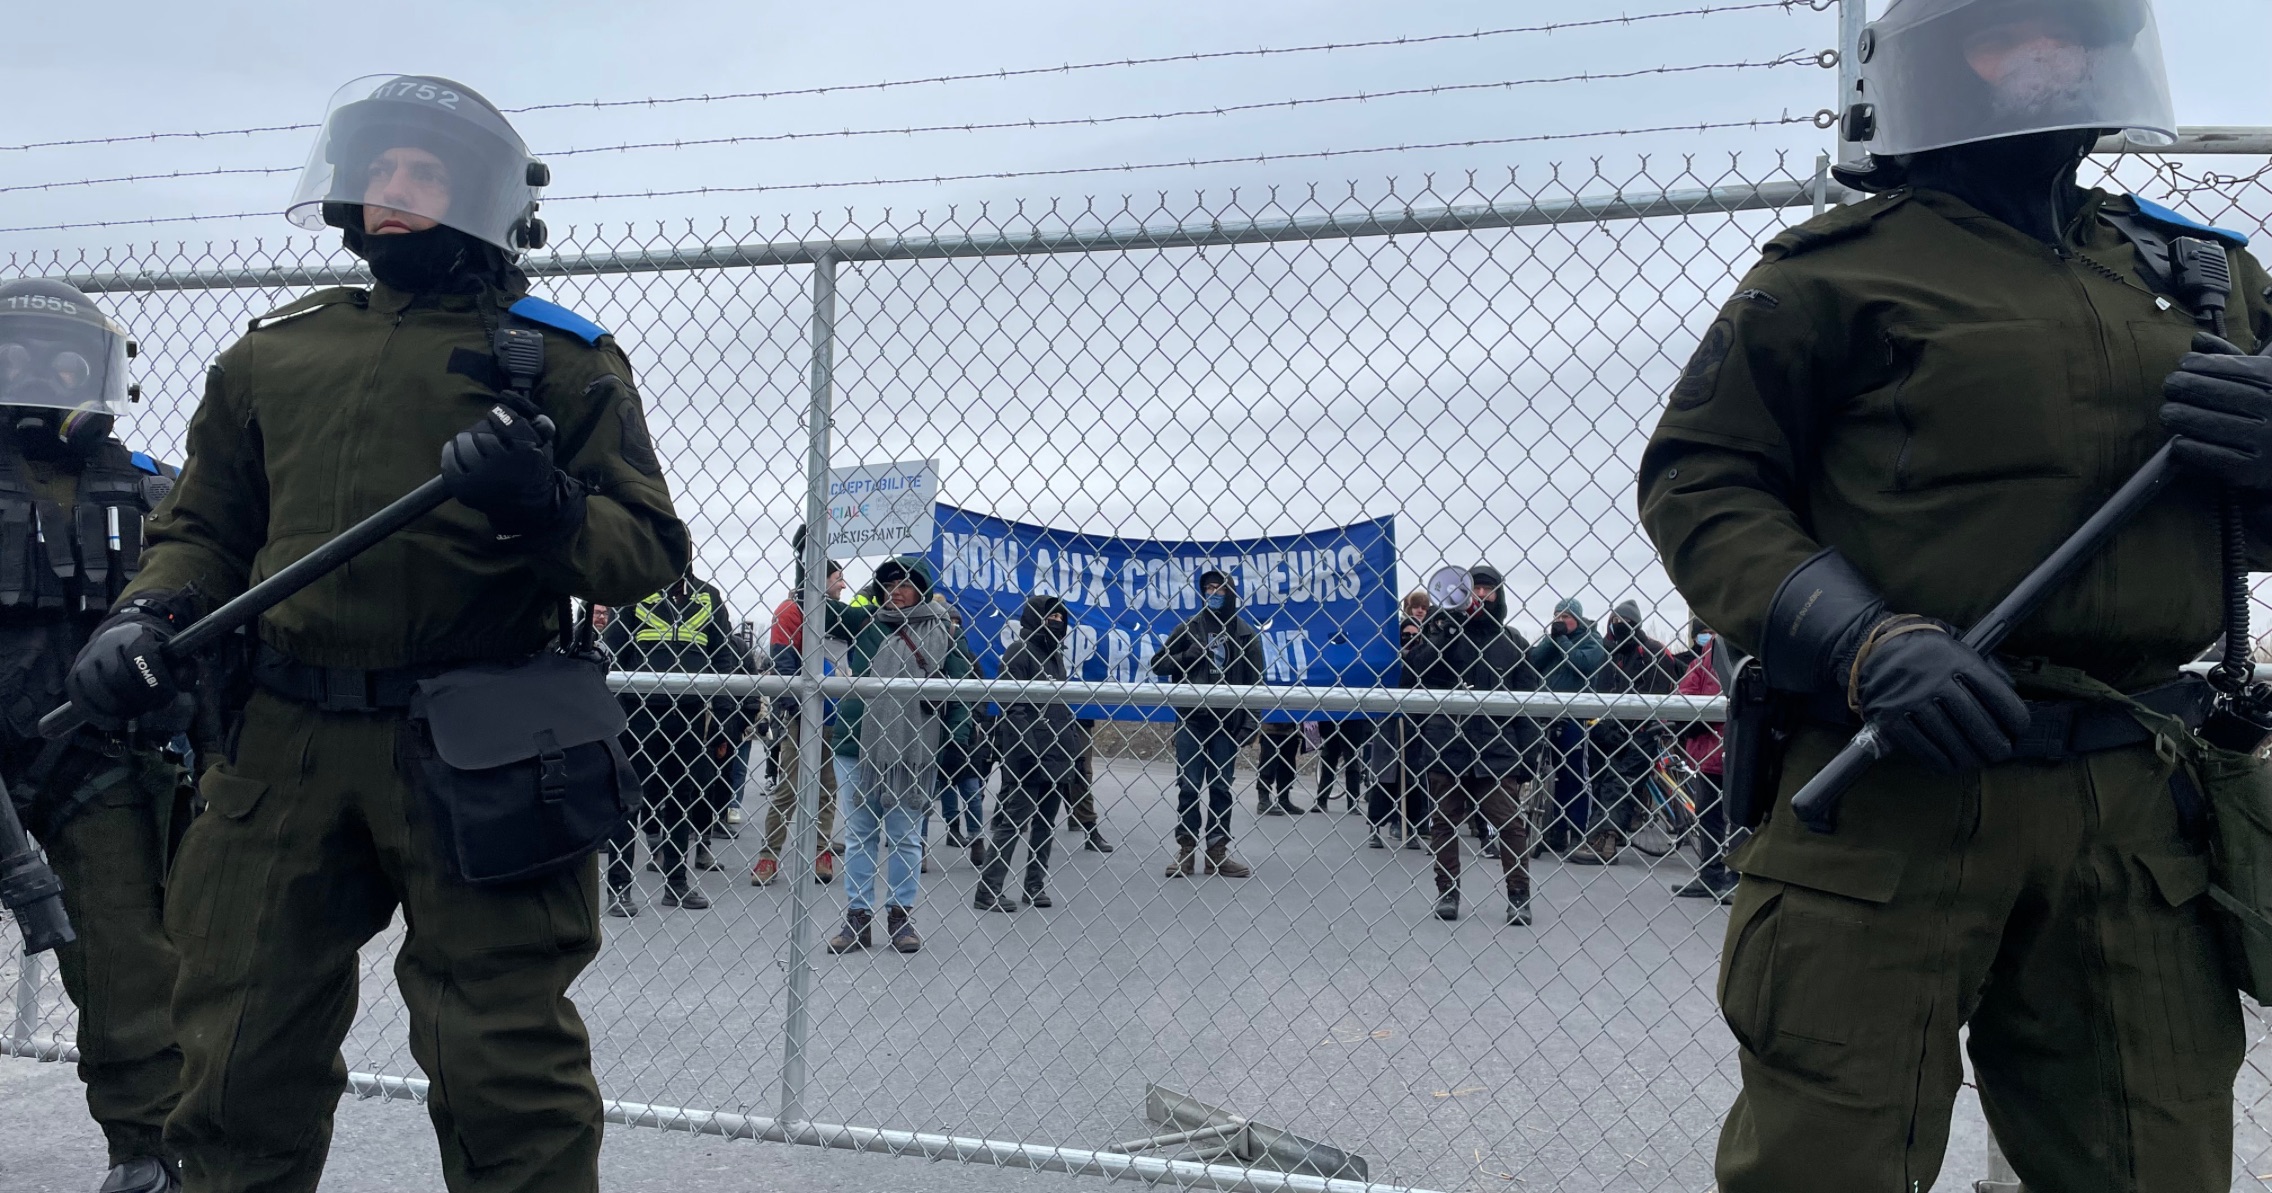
899 768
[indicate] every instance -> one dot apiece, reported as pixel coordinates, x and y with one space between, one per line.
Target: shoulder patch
1834 226
305 304
2165 216
558 318
142 462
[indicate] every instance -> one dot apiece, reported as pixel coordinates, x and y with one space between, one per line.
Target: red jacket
1702 744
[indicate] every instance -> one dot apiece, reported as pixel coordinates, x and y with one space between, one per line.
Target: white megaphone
1452 588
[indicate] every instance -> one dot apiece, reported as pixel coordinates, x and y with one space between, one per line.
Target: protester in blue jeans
1214 646
889 744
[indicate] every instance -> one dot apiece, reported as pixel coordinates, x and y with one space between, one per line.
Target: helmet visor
421 147
1952 72
67 359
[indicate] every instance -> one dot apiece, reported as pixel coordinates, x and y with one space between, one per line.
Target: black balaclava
2026 181
440 260
1034 622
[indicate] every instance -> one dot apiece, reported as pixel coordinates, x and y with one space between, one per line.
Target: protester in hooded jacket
1215 646
1040 745
1567 660
1476 762
679 745
1396 799
1703 744
891 745
1624 752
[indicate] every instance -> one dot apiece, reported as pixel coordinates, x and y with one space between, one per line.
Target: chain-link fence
1327 395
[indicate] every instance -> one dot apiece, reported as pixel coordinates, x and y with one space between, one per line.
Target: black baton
1817 803
273 591
28 889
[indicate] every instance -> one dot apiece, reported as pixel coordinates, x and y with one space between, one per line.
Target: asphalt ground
1321 996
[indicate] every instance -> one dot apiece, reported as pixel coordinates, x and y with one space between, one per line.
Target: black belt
2061 729
340 689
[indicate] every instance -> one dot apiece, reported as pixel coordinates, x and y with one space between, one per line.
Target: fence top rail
1407 701
1397 221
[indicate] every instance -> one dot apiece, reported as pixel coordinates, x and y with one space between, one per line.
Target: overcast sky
1539 411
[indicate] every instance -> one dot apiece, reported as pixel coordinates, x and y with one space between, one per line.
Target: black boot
1095 842
1373 840
1518 910
1447 905
143 1174
854 933
1714 881
620 902
679 889
991 900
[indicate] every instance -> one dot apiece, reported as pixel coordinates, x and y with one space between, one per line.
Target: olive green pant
784 802
111 857
2054 908
311 838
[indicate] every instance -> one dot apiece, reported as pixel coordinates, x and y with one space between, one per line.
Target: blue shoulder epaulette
142 461
2163 215
558 318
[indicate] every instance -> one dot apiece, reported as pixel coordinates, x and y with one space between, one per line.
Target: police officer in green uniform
1904 407
314 831
72 503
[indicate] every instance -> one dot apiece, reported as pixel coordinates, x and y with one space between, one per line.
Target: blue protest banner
1324 601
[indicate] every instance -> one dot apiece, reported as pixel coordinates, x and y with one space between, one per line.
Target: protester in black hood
1624 752
1476 761
1041 746
1217 646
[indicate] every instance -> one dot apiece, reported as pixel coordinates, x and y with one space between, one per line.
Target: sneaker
824 867
621 905
1447 905
1491 849
733 816
766 870
1518 911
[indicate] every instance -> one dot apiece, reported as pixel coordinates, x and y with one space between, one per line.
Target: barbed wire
1794 58
1059 172
975 76
1189 163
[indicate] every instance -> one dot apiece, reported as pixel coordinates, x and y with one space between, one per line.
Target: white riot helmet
428 146
1938 73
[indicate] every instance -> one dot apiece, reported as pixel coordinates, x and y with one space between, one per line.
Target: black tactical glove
503 467
2220 408
121 673
1830 636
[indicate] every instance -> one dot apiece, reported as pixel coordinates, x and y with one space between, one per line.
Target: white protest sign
882 509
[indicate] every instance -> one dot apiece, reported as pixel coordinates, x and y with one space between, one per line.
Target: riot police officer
73 500
327 409
1902 409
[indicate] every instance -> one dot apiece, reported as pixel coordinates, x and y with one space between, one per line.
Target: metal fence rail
1479 360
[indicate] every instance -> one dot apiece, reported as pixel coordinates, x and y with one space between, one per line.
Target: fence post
27 998
812 749
1852 15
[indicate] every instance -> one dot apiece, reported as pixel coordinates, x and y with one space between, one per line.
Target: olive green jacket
1943 399
333 406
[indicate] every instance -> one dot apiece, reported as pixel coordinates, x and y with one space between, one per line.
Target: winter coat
687 632
1638 666
1039 737
1460 651
1702 743
1214 647
1569 662
896 738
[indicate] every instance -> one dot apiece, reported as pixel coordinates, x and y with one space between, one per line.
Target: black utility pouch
522 765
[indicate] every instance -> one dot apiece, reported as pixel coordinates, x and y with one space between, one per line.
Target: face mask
1703 639
1215 602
